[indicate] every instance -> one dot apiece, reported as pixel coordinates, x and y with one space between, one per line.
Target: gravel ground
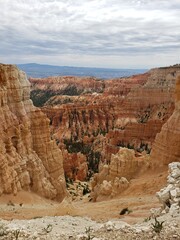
78 228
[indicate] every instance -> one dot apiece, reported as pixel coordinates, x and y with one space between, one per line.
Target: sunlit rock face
29 159
114 178
166 148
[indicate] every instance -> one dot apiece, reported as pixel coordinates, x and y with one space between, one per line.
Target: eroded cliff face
29 159
75 166
114 178
97 117
166 148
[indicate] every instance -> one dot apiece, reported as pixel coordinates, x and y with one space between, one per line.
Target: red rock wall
166 148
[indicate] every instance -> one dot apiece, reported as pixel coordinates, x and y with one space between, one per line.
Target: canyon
95 117
88 146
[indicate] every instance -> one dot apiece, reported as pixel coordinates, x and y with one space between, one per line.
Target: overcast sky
93 33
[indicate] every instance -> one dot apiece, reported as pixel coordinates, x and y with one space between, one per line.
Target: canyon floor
139 198
39 218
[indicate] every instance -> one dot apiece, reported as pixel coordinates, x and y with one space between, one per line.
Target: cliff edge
29 159
166 148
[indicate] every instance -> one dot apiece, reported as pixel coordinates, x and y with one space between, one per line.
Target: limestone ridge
29 159
166 147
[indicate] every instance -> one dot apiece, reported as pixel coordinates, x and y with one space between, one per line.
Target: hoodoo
166 148
29 159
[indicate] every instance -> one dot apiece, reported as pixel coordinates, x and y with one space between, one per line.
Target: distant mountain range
40 71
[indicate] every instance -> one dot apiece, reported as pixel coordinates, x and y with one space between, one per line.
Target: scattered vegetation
89 232
10 203
36 217
40 97
68 181
3 231
144 147
86 189
157 226
48 229
93 158
16 234
141 148
147 219
145 115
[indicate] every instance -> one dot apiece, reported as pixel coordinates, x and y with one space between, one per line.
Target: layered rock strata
103 115
29 159
75 166
114 178
166 147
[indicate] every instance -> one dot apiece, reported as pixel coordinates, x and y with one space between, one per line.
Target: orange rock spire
29 159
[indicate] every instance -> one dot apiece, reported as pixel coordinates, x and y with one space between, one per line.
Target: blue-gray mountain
39 71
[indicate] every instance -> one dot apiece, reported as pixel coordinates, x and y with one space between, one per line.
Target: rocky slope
166 147
114 178
30 160
162 223
97 117
77 228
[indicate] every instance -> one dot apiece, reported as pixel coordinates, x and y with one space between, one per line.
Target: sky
91 33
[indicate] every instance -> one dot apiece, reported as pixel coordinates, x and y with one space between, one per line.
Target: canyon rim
89 143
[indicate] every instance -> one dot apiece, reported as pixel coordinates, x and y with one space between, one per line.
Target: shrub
125 211
157 226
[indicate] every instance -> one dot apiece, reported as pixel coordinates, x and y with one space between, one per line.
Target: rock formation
75 165
29 159
112 179
169 196
166 147
101 116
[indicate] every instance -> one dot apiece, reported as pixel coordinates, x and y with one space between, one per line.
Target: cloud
104 29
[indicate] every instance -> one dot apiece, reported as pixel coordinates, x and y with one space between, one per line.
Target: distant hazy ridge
39 70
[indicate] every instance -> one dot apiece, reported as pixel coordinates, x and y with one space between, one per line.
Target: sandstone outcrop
166 147
29 159
112 179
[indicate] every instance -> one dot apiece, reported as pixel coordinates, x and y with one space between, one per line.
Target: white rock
174 210
137 230
177 184
155 212
171 180
109 226
174 165
175 236
176 173
175 193
121 225
82 237
164 194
